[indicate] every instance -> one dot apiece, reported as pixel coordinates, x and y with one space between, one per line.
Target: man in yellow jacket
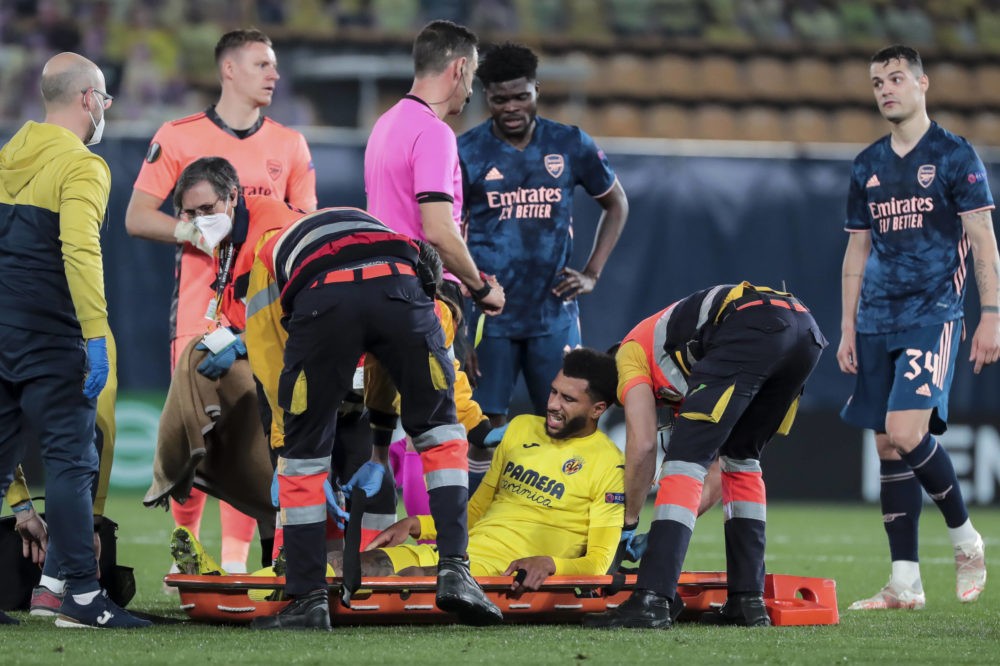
54 359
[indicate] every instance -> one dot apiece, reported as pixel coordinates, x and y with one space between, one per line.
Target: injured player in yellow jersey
552 502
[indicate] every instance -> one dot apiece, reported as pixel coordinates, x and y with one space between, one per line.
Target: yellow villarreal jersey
547 494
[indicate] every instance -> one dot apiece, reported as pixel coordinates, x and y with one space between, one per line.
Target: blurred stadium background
731 124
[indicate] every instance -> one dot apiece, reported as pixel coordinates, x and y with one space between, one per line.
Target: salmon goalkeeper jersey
541 496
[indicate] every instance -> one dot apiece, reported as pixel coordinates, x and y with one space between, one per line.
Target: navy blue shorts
539 358
904 370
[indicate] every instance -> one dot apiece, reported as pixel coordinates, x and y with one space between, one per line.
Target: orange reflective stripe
749 305
781 304
644 333
453 454
301 491
366 273
743 487
681 490
635 381
367 535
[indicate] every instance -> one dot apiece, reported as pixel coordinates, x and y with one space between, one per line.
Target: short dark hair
507 62
598 368
900 52
439 43
219 173
234 39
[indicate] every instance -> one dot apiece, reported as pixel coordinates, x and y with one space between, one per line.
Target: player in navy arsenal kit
520 173
919 203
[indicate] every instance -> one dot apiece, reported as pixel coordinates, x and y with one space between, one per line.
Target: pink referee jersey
411 158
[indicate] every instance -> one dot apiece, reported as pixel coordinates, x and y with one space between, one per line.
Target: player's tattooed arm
985 347
986 262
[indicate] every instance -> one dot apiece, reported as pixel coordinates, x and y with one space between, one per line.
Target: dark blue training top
520 224
916 273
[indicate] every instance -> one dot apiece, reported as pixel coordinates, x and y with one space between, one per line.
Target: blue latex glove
216 365
368 478
97 375
635 544
494 436
636 547
337 512
275 495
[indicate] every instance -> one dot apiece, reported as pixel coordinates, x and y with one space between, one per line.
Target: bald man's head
65 76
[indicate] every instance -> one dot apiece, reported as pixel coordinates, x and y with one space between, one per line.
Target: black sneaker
645 609
310 611
743 609
458 593
7 619
100 613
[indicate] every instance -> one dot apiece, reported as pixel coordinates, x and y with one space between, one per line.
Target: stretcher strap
352 547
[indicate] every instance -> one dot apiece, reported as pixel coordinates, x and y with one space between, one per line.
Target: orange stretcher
791 600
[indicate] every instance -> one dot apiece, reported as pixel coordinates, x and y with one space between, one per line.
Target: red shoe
45 602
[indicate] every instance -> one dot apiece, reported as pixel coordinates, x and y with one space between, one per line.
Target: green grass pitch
844 542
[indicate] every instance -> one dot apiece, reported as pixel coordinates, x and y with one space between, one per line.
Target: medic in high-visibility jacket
347 285
732 360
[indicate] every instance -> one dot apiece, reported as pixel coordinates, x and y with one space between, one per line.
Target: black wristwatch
482 292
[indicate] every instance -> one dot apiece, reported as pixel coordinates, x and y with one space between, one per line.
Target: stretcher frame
790 600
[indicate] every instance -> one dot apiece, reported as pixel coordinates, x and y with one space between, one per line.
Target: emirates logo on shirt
274 169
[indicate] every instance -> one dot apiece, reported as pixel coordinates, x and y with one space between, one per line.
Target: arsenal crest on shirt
554 164
925 174
274 169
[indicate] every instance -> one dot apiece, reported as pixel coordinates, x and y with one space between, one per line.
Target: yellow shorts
426 555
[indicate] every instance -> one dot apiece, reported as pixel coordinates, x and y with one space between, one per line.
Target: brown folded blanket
211 438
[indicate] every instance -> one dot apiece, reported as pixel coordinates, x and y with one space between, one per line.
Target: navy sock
660 566
932 466
902 500
448 506
745 542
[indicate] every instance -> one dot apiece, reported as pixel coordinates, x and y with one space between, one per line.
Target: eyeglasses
200 211
106 99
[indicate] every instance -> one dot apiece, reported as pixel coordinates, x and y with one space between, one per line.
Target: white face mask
98 128
215 227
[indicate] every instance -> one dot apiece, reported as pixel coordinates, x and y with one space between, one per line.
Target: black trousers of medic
330 325
740 393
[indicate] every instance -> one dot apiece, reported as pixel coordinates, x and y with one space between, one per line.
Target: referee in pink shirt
412 176
414 185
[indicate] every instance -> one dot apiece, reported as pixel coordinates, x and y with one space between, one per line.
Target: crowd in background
158 53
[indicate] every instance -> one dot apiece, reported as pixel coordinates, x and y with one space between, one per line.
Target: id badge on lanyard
221 282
